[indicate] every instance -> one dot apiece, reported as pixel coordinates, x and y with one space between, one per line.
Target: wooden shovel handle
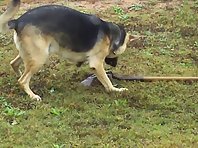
139 78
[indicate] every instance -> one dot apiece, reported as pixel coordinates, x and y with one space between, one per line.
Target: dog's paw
119 89
123 89
36 97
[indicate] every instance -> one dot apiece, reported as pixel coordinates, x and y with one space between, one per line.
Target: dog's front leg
97 65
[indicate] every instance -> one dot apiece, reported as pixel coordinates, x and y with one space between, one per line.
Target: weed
121 103
121 13
196 4
118 10
136 7
186 16
10 111
56 112
58 146
195 44
13 112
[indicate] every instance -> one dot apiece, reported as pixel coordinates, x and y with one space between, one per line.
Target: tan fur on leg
15 65
25 79
34 51
96 62
97 65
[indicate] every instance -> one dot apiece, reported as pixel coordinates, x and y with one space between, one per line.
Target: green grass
150 114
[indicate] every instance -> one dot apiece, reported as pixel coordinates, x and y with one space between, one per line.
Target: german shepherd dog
75 36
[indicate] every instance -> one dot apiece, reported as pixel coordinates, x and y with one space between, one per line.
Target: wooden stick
171 78
139 78
88 81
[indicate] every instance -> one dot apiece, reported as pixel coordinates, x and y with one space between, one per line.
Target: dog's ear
115 36
111 61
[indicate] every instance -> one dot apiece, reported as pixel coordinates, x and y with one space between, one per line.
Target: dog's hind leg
34 53
15 64
31 67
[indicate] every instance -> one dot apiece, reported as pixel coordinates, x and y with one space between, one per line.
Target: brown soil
93 4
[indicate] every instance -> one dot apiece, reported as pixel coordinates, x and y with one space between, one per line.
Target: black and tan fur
73 35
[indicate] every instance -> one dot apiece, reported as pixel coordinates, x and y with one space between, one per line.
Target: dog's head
118 43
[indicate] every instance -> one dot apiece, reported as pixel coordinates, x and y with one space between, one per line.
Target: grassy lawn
150 114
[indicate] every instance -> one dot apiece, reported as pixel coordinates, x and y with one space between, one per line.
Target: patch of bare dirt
87 4
169 4
104 4
95 4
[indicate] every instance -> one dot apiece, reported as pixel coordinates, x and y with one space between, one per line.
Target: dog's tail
11 10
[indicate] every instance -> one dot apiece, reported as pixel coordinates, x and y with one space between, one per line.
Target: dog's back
70 28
